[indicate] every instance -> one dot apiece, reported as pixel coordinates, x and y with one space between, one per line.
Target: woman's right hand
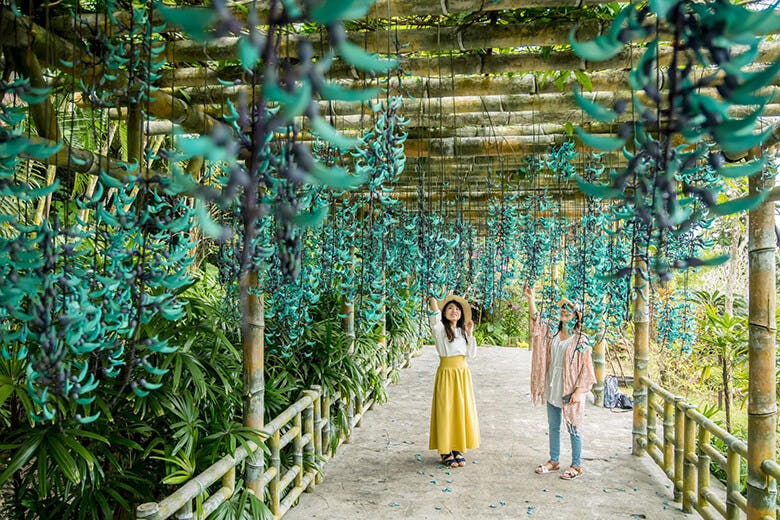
528 291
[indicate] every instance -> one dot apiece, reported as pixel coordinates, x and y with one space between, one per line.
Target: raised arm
530 295
434 315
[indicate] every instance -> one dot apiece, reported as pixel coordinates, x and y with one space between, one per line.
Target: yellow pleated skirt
454 422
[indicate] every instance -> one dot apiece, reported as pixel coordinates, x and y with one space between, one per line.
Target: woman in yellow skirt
454 423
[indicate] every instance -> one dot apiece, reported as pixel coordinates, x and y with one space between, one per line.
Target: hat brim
574 305
463 303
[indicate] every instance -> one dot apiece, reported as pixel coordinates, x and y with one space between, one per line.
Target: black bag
614 398
625 402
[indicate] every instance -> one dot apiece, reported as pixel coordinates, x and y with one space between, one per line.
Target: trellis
450 139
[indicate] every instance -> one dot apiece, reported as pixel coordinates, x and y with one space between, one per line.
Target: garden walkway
388 472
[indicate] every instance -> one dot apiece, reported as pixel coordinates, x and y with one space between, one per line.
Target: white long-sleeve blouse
458 347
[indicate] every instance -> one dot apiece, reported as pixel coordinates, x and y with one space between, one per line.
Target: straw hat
463 304
576 307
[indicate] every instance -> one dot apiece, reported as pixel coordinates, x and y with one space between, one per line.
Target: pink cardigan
578 370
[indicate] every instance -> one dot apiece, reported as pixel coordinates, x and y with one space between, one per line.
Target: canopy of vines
162 163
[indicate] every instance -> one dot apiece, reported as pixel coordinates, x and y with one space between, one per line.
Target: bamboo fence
305 427
682 446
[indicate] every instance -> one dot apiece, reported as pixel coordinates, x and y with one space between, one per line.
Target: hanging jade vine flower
560 160
617 285
90 292
499 266
676 322
586 257
672 131
535 235
289 91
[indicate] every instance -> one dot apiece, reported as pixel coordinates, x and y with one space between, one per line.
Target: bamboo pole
415 40
328 447
679 441
253 344
319 424
689 467
668 466
309 430
733 484
703 484
298 423
762 398
641 351
274 488
652 422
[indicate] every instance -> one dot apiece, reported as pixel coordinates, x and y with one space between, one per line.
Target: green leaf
755 81
21 457
335 177
600 191
713 261
332 90
42 150
742 23
743 170
360 59
329 11
195 21
661 7
739 205
644 72
248 53
584 80
311 218
599 142
593 109
600 49
321 127
207 225
64 460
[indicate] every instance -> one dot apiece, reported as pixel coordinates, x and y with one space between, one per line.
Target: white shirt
458 347
554 390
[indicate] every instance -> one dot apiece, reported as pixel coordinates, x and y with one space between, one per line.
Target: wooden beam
446 66
405 41
384 9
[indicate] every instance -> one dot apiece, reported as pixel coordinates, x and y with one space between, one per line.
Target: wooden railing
306 425
683 449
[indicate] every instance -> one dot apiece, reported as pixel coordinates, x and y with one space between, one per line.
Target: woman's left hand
469 327
575 398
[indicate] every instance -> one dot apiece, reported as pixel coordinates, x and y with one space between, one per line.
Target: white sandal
547 467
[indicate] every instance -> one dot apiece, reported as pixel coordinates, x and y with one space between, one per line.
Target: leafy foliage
659 186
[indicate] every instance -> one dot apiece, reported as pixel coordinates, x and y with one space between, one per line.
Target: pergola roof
478 80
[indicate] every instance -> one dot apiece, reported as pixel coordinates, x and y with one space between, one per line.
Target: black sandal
448 459
459 458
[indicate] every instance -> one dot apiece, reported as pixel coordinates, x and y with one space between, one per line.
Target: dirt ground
388 472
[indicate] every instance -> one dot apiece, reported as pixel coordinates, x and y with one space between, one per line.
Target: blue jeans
554 421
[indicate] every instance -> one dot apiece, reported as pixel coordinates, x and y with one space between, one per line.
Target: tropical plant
722 345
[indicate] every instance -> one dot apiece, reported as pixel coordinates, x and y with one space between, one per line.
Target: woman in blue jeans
561 375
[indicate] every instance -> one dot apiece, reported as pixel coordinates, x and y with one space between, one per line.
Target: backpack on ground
614 398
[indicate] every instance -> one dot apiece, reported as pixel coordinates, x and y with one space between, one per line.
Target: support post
689 467
679 447
254 377
762 398
669 438
641 351
703 485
